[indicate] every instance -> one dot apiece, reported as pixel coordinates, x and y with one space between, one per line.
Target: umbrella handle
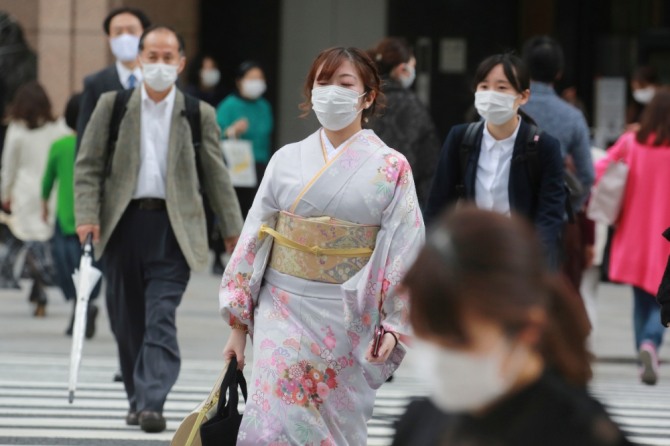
88 243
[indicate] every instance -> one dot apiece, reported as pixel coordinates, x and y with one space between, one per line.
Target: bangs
330 63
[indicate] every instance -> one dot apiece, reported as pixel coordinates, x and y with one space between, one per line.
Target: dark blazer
95 85
545 207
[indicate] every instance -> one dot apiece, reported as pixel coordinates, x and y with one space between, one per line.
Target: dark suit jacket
544 207
95 85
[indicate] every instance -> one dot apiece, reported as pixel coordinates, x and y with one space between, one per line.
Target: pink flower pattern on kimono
238 286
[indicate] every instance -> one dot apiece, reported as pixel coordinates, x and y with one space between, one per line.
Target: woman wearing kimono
333 228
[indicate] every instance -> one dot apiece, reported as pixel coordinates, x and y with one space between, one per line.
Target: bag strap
118 111
467 144
231 380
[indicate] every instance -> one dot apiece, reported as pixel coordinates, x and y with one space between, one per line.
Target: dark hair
655 120
72 111
544 58
645 75
245 67
389 53
141 16
329 61
31 105
153 28
515 72
490 264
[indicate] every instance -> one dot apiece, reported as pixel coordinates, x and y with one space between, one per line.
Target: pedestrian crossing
34 408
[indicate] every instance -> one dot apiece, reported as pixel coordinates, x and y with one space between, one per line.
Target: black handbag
222 428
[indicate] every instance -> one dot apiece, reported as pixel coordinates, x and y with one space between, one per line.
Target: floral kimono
311 315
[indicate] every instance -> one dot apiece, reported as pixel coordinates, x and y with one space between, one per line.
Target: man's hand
84 230
230 242
7 206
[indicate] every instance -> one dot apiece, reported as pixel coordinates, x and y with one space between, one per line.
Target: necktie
131 81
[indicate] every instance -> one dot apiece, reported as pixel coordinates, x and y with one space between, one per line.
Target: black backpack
191 112
531 156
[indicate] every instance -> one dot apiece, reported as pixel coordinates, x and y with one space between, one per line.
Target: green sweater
60 167
259 114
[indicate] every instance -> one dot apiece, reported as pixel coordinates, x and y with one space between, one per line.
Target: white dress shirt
156 120
492 180
124 74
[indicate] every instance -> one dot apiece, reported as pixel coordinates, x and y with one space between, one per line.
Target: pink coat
639 251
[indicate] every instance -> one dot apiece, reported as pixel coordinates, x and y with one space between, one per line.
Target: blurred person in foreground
65 243
500 340
246 114
31 132
638 253
405 123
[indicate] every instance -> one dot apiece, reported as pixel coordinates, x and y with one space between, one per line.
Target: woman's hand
237 128
388 344
235 346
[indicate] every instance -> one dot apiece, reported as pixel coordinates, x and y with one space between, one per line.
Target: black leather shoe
132 419
91 315
151 421
118 377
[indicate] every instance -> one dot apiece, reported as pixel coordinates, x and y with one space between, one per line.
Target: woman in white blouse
31 132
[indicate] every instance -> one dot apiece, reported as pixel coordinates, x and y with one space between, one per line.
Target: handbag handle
230 381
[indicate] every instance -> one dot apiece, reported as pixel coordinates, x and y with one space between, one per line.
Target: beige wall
70 43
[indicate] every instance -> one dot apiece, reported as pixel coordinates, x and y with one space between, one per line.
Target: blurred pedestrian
247 115
142 202
313 312
506 163
65 245
643 85
204 83
596 239
544 58
638 253
123 27
32 130
204 80
405 123
501 342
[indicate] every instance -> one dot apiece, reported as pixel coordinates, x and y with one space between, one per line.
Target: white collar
489 142
124 73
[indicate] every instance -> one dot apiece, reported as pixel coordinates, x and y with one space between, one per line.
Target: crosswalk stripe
34 408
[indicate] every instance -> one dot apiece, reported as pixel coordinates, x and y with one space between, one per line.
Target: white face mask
462 381
644 95
335 107
494 106
210 77
407 81
159 76
253 88
125 47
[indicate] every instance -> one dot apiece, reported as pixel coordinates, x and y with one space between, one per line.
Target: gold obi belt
322 249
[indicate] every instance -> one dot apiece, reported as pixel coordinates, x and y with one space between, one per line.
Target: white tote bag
239 156
607 194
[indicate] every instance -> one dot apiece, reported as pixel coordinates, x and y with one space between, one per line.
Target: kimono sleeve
372 296
240 285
